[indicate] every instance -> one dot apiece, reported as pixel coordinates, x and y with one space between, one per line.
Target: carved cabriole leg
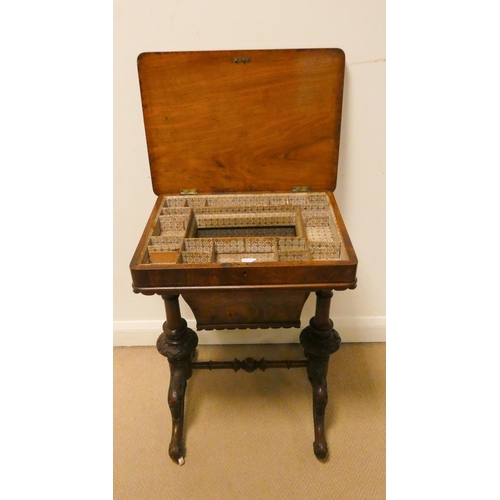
319 340
177 343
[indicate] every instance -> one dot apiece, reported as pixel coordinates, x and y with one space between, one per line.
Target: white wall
358 27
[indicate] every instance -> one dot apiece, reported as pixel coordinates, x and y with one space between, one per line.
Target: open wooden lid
244 120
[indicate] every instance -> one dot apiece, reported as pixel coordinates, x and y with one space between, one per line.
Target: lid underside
239 121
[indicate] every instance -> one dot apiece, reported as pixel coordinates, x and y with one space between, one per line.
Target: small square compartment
168 243
198 244
196 257
260 245
325 250
157 255
293 255
229 245
247 258
176 201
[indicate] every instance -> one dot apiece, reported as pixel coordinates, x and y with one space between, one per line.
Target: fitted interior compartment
245 228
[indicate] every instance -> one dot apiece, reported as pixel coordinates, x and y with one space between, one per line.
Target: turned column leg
319 340
177 343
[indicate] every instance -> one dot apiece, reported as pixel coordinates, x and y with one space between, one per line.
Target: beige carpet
250 435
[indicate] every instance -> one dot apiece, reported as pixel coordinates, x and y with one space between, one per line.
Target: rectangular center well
241 225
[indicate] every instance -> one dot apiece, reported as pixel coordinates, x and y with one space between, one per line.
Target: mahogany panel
224 309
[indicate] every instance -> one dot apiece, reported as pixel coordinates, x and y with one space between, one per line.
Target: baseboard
351 329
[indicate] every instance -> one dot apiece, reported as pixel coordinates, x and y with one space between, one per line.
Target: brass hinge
189 191
301 189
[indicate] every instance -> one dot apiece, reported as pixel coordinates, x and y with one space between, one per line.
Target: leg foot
176 393
178 343
317 370
320 449
319 340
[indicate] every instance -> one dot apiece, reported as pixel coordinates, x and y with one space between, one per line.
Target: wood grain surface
231 121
